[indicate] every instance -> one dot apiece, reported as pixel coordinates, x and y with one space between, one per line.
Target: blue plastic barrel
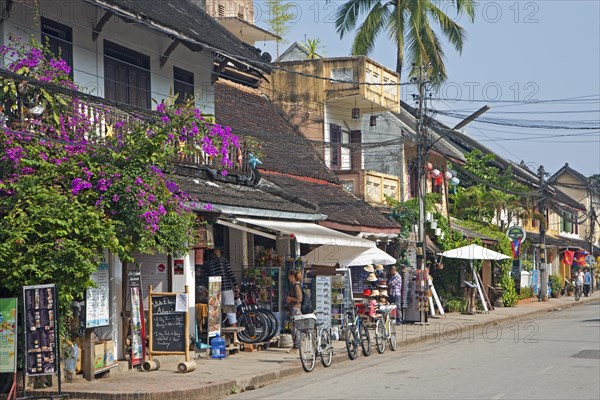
217 347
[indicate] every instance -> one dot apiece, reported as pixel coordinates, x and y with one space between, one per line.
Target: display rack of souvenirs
338 299
260 285
268 257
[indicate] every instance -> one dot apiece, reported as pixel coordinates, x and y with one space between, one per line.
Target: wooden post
187 326
149 322
88 355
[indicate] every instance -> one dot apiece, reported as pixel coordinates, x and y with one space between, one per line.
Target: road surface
556 356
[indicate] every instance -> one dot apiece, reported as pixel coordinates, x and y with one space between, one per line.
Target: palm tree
313 46
408 24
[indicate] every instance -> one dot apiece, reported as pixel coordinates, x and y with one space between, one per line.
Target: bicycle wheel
274 324
255 326
326 348
577 293
380 336
351 342
308 351
393 338
365 340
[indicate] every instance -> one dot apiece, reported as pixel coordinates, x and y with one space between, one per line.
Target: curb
224 388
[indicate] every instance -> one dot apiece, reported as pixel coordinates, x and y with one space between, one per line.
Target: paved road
552 357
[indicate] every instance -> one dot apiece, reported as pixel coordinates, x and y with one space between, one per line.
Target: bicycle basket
305 322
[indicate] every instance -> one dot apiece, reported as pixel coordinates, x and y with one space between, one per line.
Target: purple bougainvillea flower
208 207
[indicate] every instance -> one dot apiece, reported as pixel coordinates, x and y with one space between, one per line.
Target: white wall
385 159
88 58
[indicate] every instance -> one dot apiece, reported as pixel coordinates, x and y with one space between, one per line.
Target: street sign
516 232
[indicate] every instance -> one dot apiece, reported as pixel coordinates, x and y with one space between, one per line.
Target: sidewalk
247 371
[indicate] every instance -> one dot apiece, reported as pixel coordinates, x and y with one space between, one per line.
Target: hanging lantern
454 181
433 224
373 120
429 166
448 175
355 113
428 216
438 231
435 173
438 180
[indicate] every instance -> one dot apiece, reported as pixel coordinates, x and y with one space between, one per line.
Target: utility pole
543 267
421 176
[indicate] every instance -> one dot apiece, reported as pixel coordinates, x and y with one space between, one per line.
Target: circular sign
161 268
516 232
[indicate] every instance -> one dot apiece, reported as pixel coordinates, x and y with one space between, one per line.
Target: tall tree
280 14
408 23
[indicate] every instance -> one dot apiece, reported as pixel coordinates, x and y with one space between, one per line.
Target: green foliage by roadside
456 304
526 293
555 283
507 283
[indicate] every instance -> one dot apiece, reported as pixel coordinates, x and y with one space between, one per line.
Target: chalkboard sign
169 323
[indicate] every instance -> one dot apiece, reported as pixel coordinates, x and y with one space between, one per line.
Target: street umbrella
474 252
348 256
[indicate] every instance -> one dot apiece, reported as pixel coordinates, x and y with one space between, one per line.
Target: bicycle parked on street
578 290
356 333
385 329
314 340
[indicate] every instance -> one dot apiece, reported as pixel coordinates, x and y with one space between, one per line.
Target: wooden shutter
355 150
335 138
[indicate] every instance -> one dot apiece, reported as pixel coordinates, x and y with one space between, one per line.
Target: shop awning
348 256
308 233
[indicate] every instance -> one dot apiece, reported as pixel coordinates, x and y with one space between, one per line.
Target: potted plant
70 354
554 282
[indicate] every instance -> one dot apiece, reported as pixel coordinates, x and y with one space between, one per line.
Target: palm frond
366 34
347 15
453 32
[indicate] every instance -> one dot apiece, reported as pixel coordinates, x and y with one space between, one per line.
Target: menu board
214 305
138 344
97 301
8 335
168 326
40 330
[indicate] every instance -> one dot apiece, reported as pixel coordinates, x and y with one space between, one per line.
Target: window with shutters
183 84
221 10
126 76
240 11
59 38
335 138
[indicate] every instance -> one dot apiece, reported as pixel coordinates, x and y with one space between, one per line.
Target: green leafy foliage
71 189
456 304
509 297
526 293
555 283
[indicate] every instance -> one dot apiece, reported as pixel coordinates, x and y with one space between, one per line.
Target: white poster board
97 300
323 300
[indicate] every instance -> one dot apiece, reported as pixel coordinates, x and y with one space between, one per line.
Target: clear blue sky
515 51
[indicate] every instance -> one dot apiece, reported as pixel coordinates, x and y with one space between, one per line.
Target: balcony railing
107 119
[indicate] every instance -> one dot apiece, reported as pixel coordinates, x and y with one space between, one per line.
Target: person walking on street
219 266
294 302
587 282
394 283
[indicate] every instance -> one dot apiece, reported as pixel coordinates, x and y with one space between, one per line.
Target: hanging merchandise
448 175
438 180
436 172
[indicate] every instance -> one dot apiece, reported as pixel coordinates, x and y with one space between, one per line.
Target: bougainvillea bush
76 181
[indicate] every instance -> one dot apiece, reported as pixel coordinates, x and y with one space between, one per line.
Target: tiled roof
183 20
562 198
248 112
469 233
339 205
238 195
562 242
